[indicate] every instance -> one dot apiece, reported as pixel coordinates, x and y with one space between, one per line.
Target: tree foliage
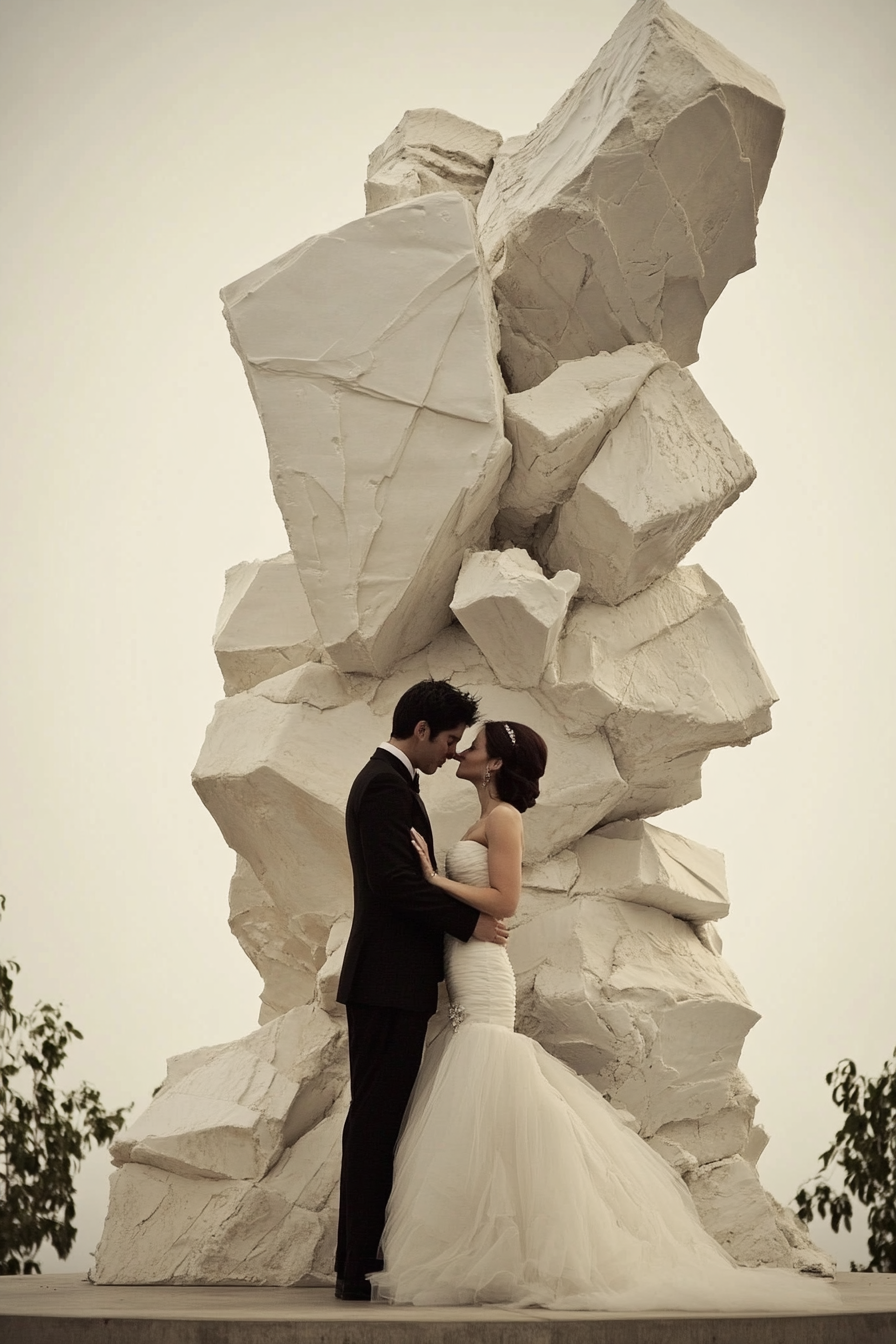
44 1133
865 1150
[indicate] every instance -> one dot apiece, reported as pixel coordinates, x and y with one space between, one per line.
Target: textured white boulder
661 478
805 1256
671 675
706 1139
286 946
629 997
737 1211
327 984
557 428
634 861
278 1230
546 885
430 150
370 352
231 1110
513 612
264 625
624 214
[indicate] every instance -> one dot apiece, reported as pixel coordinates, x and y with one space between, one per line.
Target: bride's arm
504 832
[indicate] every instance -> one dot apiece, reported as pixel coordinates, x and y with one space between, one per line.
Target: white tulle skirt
517 1183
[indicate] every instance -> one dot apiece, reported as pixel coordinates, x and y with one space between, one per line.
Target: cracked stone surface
265 625
629 997
513 612
279 1229
737 1211
671 675
634 861
557 428
430 150
284 945
231 1110
624 214
370 352
662 476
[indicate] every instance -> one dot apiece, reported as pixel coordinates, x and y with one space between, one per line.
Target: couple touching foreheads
493 1173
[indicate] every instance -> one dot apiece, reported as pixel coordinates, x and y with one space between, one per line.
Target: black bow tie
415 783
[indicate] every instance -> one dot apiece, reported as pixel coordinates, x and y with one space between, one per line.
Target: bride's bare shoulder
503 819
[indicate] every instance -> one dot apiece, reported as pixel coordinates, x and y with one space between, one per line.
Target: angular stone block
671 675
265 625
513 612
327 985
627 996
286 947
634 861
557 428
370 352
661 478
805 1256
726 1133
279 1230
430 150
231 1110
546 885
627 210
737 1211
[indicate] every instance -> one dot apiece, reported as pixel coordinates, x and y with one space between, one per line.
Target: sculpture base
66 1309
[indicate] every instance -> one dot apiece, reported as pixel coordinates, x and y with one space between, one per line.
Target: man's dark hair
437 703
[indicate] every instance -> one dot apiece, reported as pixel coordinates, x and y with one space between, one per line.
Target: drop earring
486 778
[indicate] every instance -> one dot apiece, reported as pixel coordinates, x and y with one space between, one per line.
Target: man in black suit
393 959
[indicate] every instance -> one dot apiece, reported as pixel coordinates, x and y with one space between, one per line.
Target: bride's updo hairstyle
523 756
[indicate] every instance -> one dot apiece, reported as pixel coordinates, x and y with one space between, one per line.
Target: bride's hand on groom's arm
422 851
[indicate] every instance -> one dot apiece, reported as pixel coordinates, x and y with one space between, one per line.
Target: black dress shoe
353 1290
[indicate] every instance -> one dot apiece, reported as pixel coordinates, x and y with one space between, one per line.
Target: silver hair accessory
510 733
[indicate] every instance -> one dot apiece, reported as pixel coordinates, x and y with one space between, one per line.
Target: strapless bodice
478 975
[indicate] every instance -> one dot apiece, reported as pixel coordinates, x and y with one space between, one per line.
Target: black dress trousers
385 1049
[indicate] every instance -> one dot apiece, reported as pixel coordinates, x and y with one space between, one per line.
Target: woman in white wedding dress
515 1181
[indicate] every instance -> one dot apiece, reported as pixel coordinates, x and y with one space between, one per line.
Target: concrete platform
66 1309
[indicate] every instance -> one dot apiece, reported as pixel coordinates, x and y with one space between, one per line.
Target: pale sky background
153 152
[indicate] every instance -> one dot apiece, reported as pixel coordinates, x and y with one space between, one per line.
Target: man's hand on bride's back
491 930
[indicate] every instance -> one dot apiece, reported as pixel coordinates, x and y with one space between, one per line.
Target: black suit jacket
393 957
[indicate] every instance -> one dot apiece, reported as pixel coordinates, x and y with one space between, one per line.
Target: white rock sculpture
430 150
671 675
557 428
231 1110
624 214
634 861
265 625
661 478
370 352
513 612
